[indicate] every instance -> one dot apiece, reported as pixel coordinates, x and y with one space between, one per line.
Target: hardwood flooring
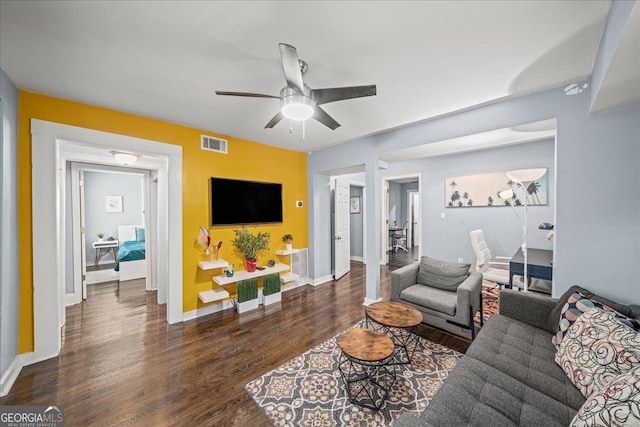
402 258
122 364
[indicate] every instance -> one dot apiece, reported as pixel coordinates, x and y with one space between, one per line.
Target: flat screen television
236 202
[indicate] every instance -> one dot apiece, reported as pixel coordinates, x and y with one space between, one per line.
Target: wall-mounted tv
235 202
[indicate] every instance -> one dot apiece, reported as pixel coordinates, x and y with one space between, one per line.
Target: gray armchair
440 288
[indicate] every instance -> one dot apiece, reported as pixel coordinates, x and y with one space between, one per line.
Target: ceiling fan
297 100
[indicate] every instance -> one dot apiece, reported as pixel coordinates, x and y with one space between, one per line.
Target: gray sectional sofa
508 376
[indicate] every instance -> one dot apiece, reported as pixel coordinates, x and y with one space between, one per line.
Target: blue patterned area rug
308 390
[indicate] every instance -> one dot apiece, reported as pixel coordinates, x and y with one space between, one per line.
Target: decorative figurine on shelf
287 239
228 271
271 263
204 241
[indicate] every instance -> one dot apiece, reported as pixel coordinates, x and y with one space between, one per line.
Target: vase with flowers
203 242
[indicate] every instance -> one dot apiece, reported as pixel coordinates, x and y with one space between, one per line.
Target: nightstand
104 244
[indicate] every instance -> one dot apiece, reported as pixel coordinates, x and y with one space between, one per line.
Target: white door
416 218
83 246
342 245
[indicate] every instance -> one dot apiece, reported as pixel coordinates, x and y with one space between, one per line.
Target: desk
104 244
539 264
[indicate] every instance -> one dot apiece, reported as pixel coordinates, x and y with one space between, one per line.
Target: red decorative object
251 265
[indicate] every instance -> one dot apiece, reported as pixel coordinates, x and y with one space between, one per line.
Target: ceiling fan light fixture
124 157
297 107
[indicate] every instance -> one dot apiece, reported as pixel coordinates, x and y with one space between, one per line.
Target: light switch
442 216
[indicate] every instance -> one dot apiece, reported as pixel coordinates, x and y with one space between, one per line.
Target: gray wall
97 185
9 282
356 224
448 238
395 205
403 202
597 236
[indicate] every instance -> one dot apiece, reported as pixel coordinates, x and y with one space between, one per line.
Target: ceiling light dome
295 106
124 157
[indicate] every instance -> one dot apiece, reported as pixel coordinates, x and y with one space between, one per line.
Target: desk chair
399 238
493 269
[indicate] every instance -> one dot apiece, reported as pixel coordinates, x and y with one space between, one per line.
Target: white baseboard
321 280
9 377
368 301
357 258
204 311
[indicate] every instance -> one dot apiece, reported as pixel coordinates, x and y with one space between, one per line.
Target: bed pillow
616 405
140 234
597 348
575 306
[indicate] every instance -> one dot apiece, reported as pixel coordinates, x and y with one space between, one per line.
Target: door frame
384 217
76 168
410 194
54 144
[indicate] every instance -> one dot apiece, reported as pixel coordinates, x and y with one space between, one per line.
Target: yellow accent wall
245 160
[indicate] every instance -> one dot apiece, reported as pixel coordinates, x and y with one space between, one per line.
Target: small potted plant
249 245
100 236
287 239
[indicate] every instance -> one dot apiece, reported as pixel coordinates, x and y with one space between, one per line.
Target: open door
83 246
342 245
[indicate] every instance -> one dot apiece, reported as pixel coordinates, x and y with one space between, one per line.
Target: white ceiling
165 59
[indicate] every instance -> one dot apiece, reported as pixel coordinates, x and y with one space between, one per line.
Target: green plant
287 238
271 284
249 244
100 235
247 290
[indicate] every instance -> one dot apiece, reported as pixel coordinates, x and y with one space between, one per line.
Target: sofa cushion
618 404
442 274
476 394
554 317
576 305
526 354
597 348
434 299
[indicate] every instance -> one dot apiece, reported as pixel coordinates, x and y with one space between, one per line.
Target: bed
130 260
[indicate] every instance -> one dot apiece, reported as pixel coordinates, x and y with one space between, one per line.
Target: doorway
401 220
53 146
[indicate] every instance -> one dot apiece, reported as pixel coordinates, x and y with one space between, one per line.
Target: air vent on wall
210 143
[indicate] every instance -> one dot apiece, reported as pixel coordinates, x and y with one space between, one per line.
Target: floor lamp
525 177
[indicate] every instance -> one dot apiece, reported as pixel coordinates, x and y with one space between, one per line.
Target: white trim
54 144
10 376
205 311
368 301
321 280
357 258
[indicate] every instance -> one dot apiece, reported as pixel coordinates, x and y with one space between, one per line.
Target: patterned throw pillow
575 306
597 349
616 405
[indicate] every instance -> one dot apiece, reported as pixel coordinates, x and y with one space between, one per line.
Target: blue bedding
131 250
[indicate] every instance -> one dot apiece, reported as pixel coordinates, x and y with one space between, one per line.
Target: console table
539 264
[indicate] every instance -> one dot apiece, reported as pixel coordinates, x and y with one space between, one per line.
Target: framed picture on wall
113 203
354 205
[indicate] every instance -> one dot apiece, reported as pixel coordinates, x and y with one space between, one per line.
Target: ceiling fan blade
275 120
320 115
324 96
247 94
291 67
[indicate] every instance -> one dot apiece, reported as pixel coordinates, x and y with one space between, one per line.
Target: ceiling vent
210 143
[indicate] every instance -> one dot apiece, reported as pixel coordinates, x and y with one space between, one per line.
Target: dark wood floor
122 364
401 258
